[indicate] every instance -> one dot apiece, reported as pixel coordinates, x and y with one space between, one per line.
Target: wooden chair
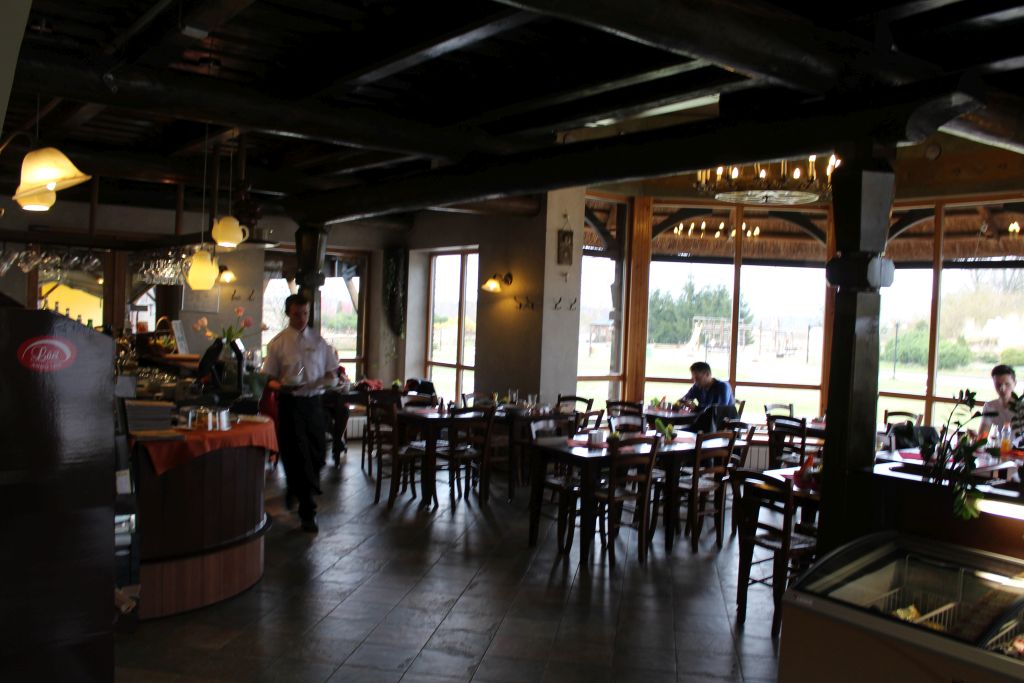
785 409
477 399
561 481
740 405
895 417
575 404
469 447
787 441
383 421
627 423
709 478
744 436
589 421
616 408
381 396
790 551
629 479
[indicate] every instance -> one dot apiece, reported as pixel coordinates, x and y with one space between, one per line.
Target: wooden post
734 340
863 190
938 238
830 313
115 289
638 292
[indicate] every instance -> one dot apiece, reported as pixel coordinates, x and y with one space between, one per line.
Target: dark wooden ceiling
353 108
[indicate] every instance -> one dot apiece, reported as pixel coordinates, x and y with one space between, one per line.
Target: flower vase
233 358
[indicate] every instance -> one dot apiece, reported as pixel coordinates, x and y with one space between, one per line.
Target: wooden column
938 238
310 251
734 340
115 289
862 201
638 285
830 313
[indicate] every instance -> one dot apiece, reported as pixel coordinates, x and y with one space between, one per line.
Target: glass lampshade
227 232
47 169
202 271
492 285
37 201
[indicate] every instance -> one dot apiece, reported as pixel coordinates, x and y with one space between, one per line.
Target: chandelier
782 183
713 232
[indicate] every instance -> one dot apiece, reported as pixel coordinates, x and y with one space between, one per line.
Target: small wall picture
565 247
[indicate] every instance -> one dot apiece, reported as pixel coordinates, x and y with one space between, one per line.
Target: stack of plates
148 415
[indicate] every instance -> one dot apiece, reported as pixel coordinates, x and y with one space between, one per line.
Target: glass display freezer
893 607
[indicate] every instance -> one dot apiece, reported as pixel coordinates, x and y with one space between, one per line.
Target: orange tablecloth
166 455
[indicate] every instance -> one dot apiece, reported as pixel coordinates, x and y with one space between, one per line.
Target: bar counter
200 515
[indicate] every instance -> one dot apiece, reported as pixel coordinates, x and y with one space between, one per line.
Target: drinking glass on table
513 396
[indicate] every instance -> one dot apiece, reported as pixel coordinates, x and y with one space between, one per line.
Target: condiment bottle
1004 440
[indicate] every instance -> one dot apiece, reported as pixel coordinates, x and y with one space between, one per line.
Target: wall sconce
226 276
494 282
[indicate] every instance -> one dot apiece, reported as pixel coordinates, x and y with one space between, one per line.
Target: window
602 294
903 333
451 350
689 320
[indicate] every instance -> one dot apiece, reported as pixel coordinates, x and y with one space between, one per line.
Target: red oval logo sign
46 354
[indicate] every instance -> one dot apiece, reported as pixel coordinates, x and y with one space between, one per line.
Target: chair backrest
616 408
778 409
382 414
589 421
570 403
893 417
632 461
551 425
627 422
745 434
787 436
757 490
477 398
384 396
712 454
740 405
473 430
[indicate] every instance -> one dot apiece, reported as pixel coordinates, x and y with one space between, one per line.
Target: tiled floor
456 595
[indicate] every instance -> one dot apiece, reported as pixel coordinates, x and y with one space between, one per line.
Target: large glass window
599 364
689 319
451 353
903 332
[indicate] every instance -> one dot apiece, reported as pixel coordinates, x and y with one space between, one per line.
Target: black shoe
310 526
290 501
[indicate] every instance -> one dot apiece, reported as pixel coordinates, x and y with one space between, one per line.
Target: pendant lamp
202 270
228 232
46 170
37 201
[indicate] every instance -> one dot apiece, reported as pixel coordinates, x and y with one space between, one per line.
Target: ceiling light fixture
202 270
226 276
228 232
783 183
495 281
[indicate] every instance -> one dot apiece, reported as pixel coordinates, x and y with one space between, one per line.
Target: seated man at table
1007 408
706 390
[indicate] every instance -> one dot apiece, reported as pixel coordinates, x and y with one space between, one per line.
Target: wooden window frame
459 365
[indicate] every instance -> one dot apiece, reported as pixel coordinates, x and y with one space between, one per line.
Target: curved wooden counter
201 528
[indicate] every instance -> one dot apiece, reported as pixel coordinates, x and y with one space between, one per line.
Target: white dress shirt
294 350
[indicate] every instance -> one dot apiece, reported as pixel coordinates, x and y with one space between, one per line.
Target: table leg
537 467
428 477
671 500
588 507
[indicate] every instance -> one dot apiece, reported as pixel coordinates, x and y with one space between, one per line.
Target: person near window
300 366
1007 407
336 405
706 390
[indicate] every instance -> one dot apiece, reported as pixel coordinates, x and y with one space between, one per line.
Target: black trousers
302 438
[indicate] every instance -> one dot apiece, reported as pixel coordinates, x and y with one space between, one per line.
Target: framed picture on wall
565 247
207 301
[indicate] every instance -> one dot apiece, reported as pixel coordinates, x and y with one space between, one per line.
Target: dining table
429 422
589 460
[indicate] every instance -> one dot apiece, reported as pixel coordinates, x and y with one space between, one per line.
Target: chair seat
704 484
620 494
421 445
773 542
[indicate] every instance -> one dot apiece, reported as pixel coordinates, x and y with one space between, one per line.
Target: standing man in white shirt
301 365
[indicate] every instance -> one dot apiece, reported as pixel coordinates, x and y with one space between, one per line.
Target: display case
892 607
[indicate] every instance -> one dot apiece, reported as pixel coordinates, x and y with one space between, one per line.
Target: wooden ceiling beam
82 114
803 222
196 145
774 45
199 98
667 151
203 19
430 48
601 228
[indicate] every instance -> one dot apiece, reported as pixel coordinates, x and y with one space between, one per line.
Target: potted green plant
953 458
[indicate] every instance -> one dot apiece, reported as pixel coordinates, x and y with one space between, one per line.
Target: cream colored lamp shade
227 232
227 276
494 282
37 201
47 169
202 271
